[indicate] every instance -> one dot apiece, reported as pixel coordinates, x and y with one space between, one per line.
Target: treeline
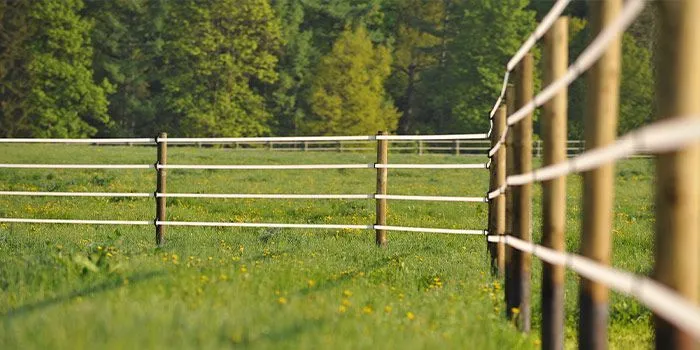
80 68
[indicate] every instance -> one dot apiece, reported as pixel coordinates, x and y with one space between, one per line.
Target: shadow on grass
281 335
105 286
349 274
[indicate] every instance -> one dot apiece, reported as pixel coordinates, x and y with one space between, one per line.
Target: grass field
66 286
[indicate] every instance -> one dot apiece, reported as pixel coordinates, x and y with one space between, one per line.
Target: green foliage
348 91
486 37
50 88
416 49
215 55
636 85
288 102
256 67
128 52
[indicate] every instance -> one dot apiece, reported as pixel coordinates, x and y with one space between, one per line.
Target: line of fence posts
677 263
457 148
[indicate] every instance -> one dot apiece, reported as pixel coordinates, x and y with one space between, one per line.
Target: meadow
76 287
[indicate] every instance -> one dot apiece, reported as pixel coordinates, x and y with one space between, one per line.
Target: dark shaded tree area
80 68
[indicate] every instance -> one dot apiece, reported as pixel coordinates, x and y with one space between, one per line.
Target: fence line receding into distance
670 295
161 194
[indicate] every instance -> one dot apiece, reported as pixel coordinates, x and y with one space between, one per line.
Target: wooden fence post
509 269
677 262
556 61
457 151
497 206
420 147
600 129
522 195
161 186
382 177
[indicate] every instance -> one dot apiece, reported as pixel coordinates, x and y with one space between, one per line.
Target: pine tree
128 50
480 39
417 28
348 91
636 85
48 88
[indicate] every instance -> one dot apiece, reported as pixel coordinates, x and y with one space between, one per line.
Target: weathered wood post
162 141
457 150
556 61
497 206
382 177
600 129
420 147
677 263
522 195
509 271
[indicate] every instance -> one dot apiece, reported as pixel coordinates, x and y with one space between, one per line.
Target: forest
127 68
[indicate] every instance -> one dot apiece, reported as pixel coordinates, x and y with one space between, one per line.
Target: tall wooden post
161 186
677 263
556 60
497 206
600 129
522 195
510 272
382 177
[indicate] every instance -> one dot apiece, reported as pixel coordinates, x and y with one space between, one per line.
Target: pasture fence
672 292
161 167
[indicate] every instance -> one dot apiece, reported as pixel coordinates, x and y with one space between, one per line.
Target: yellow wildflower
410 316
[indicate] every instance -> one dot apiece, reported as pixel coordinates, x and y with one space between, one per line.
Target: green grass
67 286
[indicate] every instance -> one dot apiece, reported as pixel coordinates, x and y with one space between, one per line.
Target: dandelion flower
410 316
367 309
282 300
347 293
